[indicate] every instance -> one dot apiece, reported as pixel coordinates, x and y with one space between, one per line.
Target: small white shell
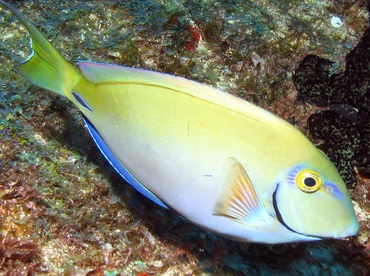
336 21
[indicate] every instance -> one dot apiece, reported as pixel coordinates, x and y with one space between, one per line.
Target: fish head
312 200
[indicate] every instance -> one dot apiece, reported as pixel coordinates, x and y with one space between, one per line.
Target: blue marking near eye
331 188
81 100
292 174
328 187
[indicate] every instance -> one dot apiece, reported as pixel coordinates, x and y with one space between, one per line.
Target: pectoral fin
239 199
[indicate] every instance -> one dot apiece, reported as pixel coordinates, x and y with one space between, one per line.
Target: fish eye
308 181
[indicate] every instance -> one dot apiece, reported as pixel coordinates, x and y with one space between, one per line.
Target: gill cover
308 204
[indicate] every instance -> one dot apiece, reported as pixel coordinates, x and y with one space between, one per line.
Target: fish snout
351 230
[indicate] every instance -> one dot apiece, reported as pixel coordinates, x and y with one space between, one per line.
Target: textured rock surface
345 128
64 211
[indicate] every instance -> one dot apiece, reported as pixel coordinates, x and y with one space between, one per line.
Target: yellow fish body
219 161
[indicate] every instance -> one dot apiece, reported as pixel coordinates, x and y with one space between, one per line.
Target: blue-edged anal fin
117 165
239 199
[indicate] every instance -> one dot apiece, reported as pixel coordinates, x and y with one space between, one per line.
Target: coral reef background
344 126
64 211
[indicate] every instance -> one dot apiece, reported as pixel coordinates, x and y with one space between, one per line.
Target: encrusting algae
66 213
347 120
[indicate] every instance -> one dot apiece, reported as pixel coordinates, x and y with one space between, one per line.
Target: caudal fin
45 67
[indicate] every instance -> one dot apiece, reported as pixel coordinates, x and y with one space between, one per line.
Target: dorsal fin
101 73
239 199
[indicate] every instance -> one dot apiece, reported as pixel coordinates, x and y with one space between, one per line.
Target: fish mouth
349 231
281 220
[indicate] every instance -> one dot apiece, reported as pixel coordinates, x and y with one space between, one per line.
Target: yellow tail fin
45 67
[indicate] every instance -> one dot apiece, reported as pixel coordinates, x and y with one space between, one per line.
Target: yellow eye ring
308 181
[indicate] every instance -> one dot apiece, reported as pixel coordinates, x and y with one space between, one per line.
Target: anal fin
118 166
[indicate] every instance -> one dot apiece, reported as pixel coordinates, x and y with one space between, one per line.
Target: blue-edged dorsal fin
117 165
102 73
239 199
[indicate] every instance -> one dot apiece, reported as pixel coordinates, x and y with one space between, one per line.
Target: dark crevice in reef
344 128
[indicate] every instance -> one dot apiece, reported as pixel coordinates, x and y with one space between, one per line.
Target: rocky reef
64 211
344 127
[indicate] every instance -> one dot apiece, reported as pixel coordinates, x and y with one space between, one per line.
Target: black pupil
309 182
